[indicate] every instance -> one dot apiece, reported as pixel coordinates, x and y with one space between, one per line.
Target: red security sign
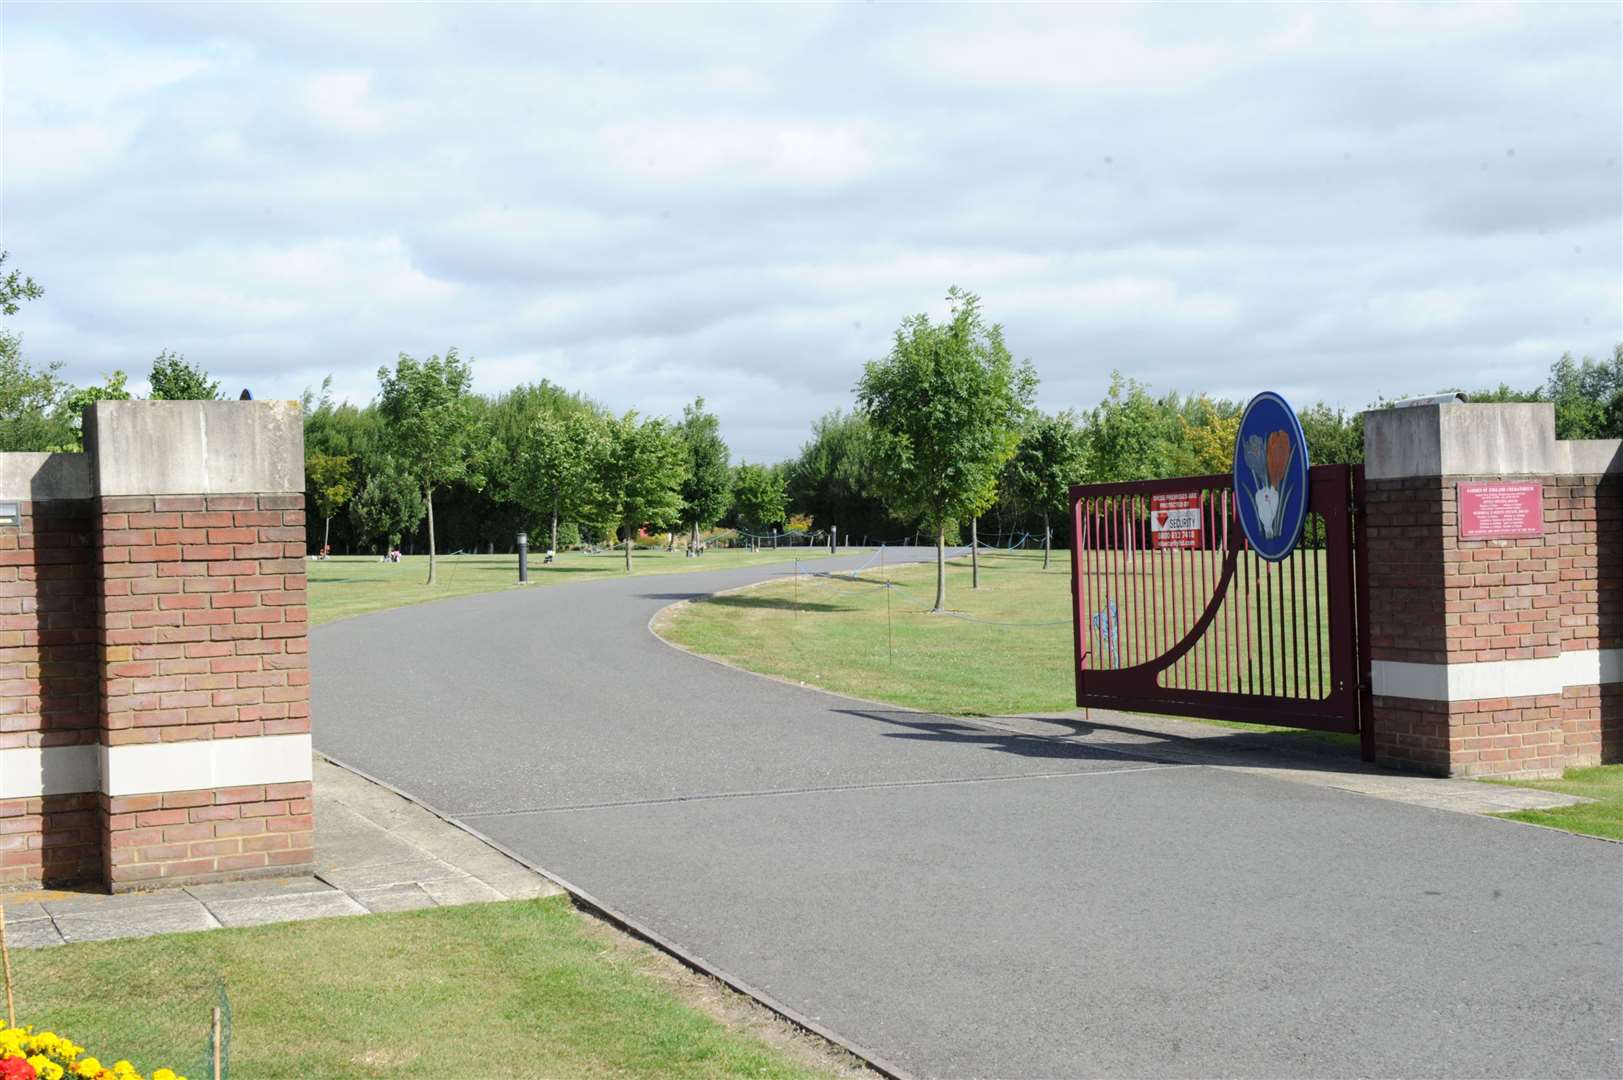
1492 511
1175 520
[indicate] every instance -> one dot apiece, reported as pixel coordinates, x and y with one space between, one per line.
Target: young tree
173 379
388 505
81 399
946 407
707 491
15 288
1051 457
639 476
759 497
332 477
560 461
430 426
1130 435
32 402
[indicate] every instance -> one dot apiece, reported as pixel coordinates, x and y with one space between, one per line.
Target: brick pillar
204 713
1499 656
49 832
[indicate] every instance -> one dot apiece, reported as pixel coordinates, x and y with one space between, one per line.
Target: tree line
942 442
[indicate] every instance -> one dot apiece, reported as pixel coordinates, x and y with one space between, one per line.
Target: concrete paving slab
420 870
125 921
405 897
263 889
459 891
31 933
285 908
21 911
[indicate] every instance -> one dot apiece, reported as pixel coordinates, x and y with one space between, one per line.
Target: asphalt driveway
959 900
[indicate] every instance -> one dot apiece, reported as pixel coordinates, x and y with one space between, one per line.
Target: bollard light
523 558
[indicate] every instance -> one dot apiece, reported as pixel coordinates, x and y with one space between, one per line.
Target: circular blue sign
1270 476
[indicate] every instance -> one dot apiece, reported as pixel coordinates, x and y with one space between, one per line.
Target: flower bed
29 1055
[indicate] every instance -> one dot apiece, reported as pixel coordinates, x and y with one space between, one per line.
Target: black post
523 558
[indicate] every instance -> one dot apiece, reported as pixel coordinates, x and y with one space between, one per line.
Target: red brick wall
48 685
1437 599
180 837
204 619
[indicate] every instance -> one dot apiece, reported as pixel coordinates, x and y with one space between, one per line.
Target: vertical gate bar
1108 586
1360 562
1137 569
1226 674
1298 620
1234 681
1318 616
1079 590
1093 580
1336 495
1191 568
1265 595
1123 609
1160 585
1207 533
1130 575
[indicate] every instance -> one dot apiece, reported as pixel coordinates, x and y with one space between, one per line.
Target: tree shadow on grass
746 602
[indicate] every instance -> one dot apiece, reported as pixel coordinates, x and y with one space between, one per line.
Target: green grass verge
1010 654
348 585
1603 817
515 989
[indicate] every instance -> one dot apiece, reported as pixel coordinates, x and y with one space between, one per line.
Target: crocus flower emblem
1269 464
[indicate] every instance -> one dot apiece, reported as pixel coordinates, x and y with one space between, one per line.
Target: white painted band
146 768
1497 678
29 772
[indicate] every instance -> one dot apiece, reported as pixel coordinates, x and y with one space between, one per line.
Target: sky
743 202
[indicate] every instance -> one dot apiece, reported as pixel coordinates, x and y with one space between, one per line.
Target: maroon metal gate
1190 621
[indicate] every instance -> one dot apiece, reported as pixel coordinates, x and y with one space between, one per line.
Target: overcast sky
648 204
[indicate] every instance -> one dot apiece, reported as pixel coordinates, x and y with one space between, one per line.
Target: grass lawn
831 632
1603 817
516 989
348 585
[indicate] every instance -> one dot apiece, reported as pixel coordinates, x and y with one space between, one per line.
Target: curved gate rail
1190 621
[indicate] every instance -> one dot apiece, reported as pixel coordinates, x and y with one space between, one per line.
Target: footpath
375 851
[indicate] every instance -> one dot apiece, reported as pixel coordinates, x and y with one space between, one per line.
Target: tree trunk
693 544
1047 533
974 553
554 544
428 497
629 531
940 567
326 537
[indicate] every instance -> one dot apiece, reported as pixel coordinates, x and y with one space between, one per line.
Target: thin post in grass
217 1054
974 553
890 633
5 951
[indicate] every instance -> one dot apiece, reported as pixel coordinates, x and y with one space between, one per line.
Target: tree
32 402
430 427
559 465
707 491
1130 437
81 399
1051 457
173 379
388 505
15 288
835 478
639 476
945 406
332 476
759 497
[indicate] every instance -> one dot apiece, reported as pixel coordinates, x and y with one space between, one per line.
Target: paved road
964 901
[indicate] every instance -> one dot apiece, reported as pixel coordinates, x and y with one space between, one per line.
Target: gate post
199 547
1496 614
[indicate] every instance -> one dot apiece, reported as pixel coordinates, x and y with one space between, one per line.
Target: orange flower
1279 457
